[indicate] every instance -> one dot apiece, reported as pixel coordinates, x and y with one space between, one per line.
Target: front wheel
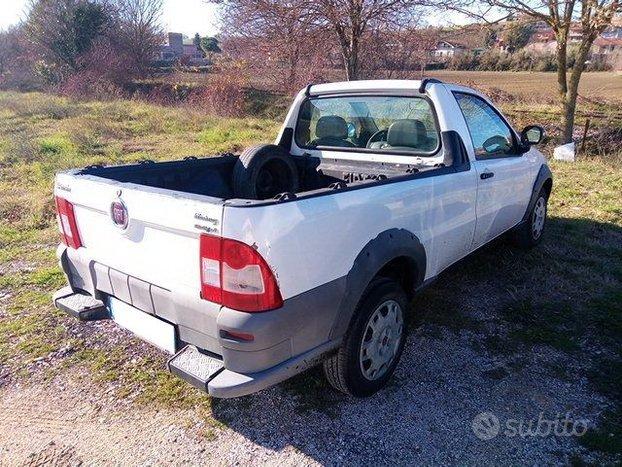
530 232
373 344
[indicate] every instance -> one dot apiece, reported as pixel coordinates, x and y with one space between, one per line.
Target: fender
544 174
388 245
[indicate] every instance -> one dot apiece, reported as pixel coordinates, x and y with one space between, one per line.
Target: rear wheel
373 344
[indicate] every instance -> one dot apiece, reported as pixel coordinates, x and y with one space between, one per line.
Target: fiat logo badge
118 214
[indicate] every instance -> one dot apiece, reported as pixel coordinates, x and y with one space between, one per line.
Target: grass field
532 86
562 300
535 86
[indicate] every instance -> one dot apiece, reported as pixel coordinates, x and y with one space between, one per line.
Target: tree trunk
568 110
346 55
352 66
567 107
572 89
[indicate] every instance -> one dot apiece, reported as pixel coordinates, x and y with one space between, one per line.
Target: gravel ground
457 365
424 417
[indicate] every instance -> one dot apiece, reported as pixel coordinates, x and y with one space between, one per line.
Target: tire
530 233
349 370
263 172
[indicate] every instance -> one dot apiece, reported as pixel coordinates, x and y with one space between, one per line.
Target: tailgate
160 244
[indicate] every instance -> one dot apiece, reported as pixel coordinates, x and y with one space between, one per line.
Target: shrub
523 60
101 74
494 60
467 61
545 62
224 95
165 93
89 85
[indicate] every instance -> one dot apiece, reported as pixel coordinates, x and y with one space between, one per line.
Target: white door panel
502 196
504 177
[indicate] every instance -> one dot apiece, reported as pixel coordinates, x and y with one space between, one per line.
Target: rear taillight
67 223
236 276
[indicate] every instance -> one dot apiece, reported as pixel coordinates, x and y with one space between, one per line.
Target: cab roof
380 85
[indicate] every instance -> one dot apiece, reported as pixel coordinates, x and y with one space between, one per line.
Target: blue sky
185 16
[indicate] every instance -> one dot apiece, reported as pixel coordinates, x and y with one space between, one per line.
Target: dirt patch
67 424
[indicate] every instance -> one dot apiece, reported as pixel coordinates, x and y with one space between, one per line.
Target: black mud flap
195 367
80 305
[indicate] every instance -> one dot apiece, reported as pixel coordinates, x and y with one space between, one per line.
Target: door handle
485 175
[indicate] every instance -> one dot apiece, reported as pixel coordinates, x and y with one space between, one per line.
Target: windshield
374 123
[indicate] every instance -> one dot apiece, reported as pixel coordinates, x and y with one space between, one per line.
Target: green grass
42 134
558 296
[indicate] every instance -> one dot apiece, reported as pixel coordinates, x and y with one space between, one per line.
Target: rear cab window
379 124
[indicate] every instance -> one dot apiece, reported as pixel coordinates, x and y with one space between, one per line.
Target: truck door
504 184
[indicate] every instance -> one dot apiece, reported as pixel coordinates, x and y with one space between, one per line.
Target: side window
491 136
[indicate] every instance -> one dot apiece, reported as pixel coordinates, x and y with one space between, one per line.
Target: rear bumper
225 383
285 340
211 377
229 384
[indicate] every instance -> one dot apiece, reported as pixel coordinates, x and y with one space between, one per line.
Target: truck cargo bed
212 176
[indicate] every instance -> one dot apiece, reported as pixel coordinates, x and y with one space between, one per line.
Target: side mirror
496 144
532 134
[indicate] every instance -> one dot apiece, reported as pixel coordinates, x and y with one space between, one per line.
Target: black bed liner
212 176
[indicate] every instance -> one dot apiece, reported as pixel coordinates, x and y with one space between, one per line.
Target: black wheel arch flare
378 252
545 177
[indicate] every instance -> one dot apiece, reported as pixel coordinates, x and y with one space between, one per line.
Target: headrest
408 132
331 126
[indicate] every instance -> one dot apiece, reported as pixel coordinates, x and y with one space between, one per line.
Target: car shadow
484 338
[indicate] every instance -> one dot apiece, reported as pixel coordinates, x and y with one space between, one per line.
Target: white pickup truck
251 269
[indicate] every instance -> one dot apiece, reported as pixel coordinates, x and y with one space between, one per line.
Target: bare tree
6 50
345 22
397 52
351 20
17 59
139 29
276 43
590 16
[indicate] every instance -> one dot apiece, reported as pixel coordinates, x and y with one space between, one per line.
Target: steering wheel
380 135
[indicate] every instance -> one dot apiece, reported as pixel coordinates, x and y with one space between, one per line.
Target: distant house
575 34
610 50
193 53
607 46
613 32
178 50
173 49
538 25
542 41
446 50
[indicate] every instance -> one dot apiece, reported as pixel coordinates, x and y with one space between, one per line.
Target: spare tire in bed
263 172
